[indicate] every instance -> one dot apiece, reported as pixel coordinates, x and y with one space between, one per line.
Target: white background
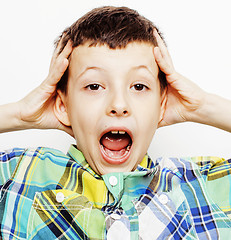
198 37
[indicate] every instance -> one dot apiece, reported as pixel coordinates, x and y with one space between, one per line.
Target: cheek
83 114
148 110
149 118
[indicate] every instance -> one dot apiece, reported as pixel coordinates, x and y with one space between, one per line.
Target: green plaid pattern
45 194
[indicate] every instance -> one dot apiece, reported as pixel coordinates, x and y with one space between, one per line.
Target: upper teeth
118 132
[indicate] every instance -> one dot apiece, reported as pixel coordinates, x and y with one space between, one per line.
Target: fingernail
155 31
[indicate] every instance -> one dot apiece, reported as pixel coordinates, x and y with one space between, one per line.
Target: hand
36 109
184 99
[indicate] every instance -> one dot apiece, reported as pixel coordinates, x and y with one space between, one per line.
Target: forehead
134 55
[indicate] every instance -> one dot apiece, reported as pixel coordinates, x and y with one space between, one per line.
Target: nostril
119 112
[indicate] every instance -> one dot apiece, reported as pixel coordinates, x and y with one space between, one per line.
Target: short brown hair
115 27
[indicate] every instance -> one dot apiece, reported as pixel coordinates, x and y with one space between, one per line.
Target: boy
107 88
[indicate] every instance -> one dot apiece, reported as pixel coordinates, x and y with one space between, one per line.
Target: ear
60 109
164 98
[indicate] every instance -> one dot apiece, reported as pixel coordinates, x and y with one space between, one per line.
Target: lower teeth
113 154
128 147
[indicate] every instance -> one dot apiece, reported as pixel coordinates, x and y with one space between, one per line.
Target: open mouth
115 146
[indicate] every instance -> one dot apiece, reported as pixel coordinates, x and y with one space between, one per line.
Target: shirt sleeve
217 175
8 163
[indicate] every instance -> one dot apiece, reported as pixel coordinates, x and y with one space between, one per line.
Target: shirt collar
145 165
126 187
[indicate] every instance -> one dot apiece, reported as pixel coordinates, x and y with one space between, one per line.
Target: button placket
114 183
113 180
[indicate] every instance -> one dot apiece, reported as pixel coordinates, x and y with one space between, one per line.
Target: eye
139 87
93 87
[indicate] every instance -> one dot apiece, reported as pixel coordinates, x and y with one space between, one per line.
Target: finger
159 40
162 46
162 63
58 57
59 46
60 49
67 50
59 65
62 61
57 71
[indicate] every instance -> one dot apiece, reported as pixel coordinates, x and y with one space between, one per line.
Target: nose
118 105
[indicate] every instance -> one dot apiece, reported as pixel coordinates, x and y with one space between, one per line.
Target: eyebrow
143 67
135 68
89 68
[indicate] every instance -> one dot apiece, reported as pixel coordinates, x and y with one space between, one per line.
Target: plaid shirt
45 194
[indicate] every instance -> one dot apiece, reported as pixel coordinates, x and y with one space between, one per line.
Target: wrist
202 114
10 118
215 111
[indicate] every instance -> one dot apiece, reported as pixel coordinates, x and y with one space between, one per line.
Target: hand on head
36 110
183 98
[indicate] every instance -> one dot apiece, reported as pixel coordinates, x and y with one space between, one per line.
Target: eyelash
137 87
93 87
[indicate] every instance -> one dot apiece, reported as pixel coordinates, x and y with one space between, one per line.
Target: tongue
115 142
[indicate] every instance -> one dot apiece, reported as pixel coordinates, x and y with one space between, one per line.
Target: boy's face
113 104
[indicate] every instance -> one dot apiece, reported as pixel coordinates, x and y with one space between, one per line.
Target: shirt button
113 181
59 197
163 199
115 216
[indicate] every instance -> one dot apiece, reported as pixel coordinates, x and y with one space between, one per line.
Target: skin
183 101
112 89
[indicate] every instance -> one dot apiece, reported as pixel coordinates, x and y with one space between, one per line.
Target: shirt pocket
160 219
57 213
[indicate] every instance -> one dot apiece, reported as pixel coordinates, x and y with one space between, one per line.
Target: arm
36 109
9 119
186 101
216 112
